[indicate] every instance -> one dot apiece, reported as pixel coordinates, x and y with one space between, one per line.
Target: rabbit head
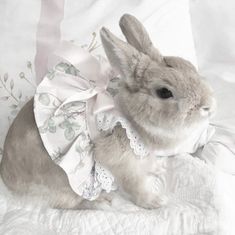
162 95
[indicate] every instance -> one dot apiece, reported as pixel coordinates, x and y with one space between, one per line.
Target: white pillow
27 32
167 21
213 24
18 25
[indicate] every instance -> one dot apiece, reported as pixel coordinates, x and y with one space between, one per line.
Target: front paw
151 193
151 201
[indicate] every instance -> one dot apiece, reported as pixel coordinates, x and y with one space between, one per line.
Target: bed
201 186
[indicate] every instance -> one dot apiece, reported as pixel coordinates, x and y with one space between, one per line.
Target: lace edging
107 122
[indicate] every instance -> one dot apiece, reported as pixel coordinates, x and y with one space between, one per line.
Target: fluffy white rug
193 208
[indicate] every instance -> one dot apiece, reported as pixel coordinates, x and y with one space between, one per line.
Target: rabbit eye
164 93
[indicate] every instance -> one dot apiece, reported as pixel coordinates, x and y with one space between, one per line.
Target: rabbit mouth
195 117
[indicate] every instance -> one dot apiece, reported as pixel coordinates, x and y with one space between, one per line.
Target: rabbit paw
150 193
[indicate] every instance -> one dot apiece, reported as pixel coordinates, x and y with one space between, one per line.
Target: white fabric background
18 25
169 25
213 24
167 20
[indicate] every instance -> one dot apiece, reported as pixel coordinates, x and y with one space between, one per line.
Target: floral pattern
63 130
11 94
15 91
69 123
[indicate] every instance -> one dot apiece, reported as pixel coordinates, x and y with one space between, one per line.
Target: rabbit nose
209 108
206 110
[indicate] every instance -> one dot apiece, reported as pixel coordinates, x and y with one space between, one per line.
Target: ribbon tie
91 83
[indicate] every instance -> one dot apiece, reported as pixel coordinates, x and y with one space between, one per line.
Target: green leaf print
5 77
51 75
42 129
4 98
49 125
52 129
20 94
69 133
14 112
44 99
12 84
13 106
62 67
65 124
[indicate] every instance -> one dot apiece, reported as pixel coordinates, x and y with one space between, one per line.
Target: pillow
18 27
29 36
214 41
213 24
167 21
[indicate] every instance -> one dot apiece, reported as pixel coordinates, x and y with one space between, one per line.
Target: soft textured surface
30 36
206 187
201 199
192 209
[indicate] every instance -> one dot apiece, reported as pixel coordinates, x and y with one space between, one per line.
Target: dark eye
164 93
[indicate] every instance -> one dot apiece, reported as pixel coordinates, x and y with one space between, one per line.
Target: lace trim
105 178
107 121
99 179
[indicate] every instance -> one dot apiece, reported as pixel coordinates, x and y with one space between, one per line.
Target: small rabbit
164 97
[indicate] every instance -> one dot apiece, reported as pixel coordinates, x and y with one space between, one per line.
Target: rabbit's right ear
122 56
138 37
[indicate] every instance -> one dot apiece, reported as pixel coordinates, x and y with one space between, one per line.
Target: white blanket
186 178
204 184
201 195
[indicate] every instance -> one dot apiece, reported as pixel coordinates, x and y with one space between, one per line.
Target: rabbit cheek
164 116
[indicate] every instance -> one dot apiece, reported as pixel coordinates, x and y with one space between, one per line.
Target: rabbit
163 96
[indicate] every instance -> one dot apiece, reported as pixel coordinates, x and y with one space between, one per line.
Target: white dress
68 122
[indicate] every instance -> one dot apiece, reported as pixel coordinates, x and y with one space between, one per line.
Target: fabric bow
92 83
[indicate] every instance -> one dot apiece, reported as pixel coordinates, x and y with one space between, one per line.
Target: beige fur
26 167
163 124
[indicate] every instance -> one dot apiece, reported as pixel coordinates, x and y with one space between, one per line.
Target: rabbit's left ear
138 37
122 56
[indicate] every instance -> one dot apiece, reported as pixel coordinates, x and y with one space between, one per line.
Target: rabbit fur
27 169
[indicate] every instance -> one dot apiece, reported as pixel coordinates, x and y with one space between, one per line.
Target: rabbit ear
121 55
138 37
